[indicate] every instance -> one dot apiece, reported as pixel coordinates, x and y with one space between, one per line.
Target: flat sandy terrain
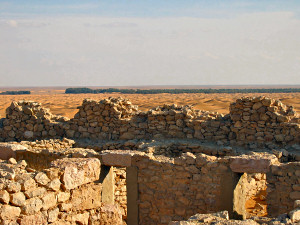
66 104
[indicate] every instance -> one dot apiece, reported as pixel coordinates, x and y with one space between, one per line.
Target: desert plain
66 105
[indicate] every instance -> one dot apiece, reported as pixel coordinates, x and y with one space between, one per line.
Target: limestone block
78 171
26 181
81 218
35 192
34 219
13 187
49 201
64 207
295 215
8 212
41 178
52 215
86 197
117 158
63 196
107 214
8 151
32 206
256 163
54 184
4 197
17 199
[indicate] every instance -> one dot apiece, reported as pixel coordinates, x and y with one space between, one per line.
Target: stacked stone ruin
173 162
255 121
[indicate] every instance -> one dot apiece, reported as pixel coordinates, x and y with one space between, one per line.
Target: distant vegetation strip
15 93
178 91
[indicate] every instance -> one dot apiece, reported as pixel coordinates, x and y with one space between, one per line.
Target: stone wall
171 188
264 120
65 193
256 121
177 188
283 187
120 193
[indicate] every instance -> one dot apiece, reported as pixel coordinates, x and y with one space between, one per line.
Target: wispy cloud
72 50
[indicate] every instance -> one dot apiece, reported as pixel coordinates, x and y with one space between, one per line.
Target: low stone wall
256 121
66 193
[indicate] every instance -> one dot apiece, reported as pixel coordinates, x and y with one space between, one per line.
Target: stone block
8 212
117 158
33 220
4 197
257 163
107 214
8 151
78 171
86 197
17 199
295 215
49 201
32 206
41 178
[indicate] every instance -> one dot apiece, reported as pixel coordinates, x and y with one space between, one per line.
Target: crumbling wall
283 187
264 120
29 120
66 193
256 120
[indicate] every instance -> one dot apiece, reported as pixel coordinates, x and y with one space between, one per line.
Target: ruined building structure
114 164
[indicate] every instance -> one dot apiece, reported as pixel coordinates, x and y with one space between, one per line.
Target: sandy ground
66 104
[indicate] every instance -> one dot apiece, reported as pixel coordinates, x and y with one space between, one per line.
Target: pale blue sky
170 42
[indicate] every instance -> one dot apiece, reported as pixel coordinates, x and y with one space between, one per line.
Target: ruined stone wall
283 187
58 195
256 121
176 188
26 120
263 120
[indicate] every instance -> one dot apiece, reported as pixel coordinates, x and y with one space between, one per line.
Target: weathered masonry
254 122
123 166
159 189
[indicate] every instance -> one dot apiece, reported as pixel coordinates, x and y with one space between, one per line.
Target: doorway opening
249 197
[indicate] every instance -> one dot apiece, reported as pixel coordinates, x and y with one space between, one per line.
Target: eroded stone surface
255 163
78 171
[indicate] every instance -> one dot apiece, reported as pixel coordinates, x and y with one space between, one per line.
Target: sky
134 43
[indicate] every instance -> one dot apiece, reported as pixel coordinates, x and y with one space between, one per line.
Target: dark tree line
15 93
179 91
